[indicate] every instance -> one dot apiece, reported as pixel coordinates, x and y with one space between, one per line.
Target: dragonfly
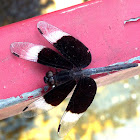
73 56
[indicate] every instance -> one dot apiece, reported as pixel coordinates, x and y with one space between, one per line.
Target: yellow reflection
71 135
60 4
138 111
43 1
108 124
92 127
100 90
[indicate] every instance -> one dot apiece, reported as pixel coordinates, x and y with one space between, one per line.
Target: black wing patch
59 93
50 58
70 47
74 51
82 96
81 99
51 99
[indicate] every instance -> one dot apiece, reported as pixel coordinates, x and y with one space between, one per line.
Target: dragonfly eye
49 79
46 79
49 74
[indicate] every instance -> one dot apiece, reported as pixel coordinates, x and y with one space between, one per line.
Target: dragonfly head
49 79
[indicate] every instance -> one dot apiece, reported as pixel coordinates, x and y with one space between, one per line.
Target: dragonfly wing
51 99
81 99
40 54
70 47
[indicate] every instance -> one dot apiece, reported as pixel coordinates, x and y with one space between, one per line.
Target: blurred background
114 114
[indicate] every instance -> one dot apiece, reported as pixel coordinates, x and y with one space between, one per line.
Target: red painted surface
98 24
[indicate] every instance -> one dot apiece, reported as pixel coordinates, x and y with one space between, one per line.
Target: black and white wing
71 48
40 54
81 99
76 53
51 99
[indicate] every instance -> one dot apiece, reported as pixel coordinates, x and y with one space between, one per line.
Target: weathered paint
23 97
132 60
131 20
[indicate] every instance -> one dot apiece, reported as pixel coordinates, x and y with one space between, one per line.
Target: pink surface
98 24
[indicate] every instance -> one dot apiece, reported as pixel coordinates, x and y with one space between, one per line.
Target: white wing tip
13 47
41 23
25 50
50 32
68 120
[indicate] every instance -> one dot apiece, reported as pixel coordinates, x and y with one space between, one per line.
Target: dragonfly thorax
61 77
